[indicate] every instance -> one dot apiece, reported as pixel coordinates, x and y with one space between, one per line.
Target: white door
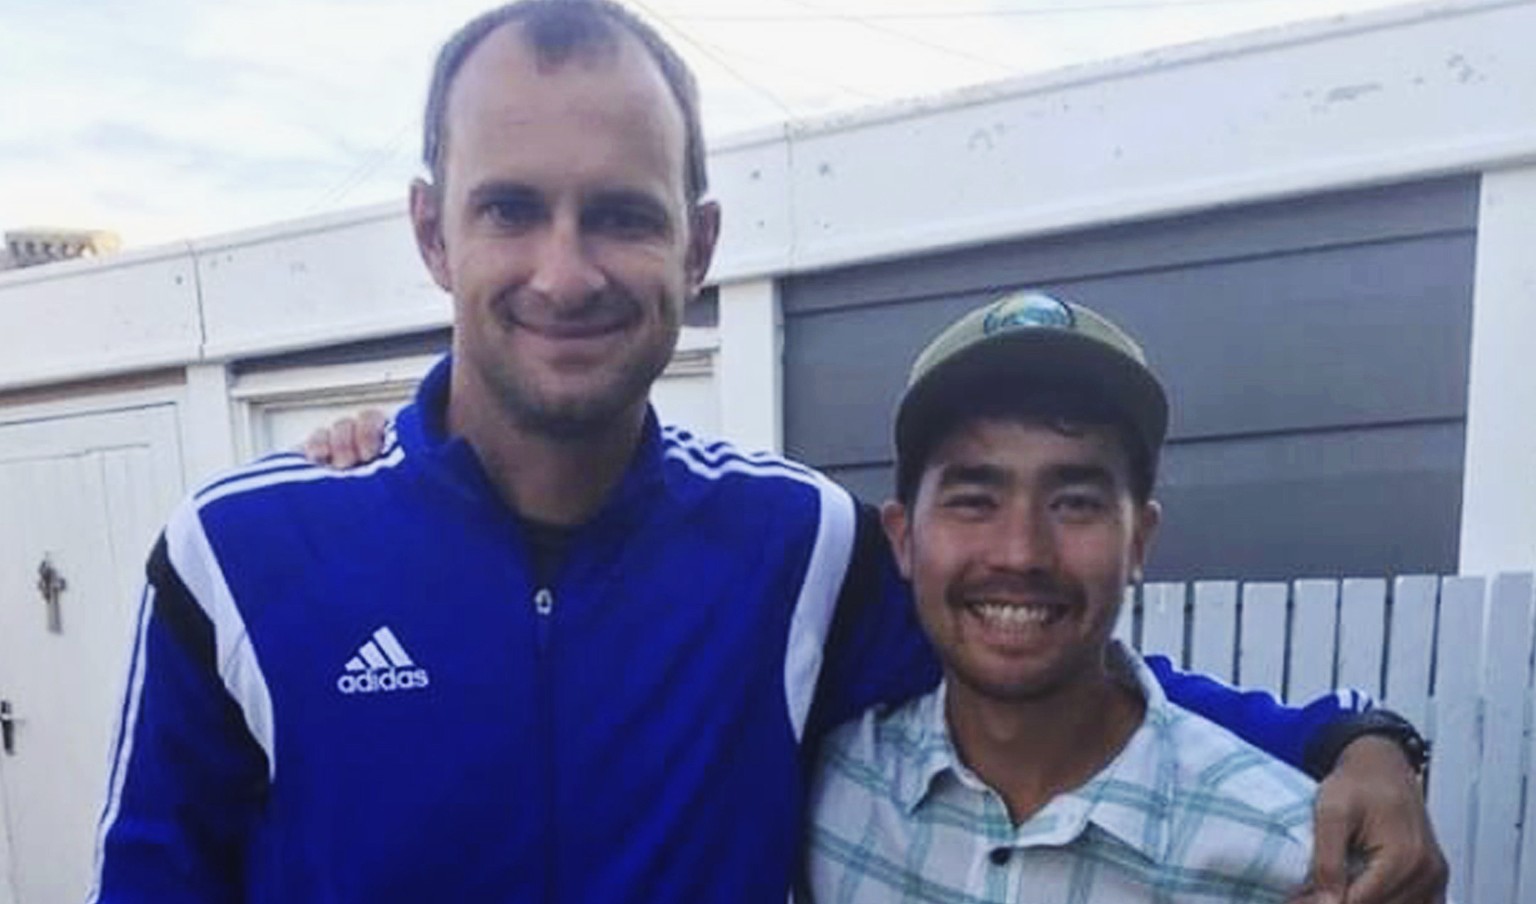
7 887
688 400
688 394
81 498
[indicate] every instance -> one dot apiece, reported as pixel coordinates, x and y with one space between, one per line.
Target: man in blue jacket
543 648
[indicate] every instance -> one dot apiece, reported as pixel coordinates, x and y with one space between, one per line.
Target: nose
1023 540
564 272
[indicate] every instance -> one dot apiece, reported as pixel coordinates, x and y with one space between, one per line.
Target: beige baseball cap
1027 338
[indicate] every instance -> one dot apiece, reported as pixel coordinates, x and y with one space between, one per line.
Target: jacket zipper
543 608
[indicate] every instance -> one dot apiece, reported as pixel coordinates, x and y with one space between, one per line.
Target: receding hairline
610 47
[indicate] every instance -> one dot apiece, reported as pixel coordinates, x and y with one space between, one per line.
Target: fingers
370 434
344 443
1372 805
317 447
349 442
1334 827
1416 873
1378 886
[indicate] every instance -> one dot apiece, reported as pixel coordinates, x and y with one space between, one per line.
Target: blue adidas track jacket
348 687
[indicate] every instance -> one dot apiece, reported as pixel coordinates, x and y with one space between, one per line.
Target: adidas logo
381 664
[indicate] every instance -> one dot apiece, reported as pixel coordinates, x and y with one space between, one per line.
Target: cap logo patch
1025 311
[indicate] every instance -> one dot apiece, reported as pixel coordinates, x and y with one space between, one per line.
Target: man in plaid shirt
1048 766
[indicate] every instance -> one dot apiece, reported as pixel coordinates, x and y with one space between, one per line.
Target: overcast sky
172 119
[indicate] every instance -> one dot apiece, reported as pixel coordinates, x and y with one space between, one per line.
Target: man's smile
1017 615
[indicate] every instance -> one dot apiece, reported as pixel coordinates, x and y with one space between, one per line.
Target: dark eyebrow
501 191
626 196
631 199
972 475
1096 475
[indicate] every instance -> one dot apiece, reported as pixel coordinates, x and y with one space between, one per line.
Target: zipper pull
544 605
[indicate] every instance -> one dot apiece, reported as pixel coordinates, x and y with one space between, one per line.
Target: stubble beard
576 418
1067 671
573 417
537 405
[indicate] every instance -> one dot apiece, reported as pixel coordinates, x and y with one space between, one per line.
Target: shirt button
999 856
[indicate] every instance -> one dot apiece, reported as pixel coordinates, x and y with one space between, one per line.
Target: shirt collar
929 751
1145 768
1131 798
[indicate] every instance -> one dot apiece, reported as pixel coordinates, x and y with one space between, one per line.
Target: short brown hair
1063 406
556 29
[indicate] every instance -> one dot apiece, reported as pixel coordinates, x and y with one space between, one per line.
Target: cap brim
1033 359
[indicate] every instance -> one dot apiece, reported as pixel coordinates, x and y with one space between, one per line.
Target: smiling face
1019 544
561 228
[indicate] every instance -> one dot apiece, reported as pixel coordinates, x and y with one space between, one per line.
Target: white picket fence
1453 654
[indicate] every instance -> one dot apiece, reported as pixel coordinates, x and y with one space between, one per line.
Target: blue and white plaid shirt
1186 812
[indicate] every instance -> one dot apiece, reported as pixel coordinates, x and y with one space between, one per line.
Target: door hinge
7 728
51 584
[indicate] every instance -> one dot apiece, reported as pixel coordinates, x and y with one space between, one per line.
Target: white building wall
1498 509
750 377
345 277
84 319
1400 94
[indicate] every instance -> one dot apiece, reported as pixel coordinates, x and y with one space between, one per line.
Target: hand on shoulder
348 443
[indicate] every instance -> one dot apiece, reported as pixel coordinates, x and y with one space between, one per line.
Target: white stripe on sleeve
193 558
812 619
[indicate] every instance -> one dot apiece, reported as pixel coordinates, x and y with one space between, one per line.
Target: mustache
607 309
1035 585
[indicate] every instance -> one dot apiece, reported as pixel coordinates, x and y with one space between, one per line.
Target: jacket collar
422 431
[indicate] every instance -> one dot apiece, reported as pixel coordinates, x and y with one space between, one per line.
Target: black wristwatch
1324 750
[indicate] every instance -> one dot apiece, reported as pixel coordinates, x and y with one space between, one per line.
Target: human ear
703 233
898 532
427 225
1149 516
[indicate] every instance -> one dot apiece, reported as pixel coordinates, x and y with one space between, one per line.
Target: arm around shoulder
1369 801
1308 737
876 652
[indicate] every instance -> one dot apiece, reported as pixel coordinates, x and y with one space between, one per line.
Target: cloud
173 118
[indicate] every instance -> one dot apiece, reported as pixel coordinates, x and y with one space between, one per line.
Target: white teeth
1015 615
